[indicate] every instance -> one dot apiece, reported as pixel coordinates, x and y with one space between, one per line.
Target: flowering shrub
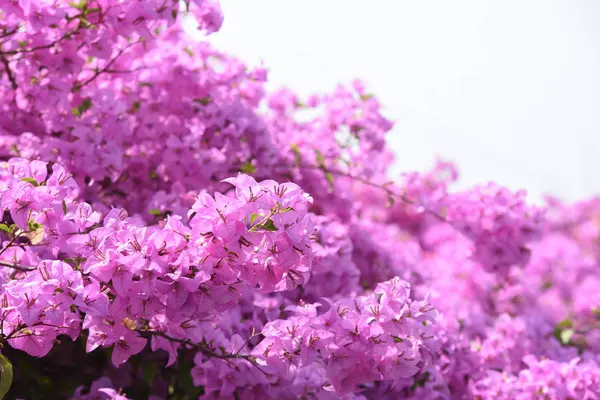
171 230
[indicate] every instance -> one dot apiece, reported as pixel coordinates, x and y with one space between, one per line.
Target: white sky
510 90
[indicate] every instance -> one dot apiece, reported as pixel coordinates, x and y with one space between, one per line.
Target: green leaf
156 212
135 107
253 217
15 150
30 180
84 23
5 228
71 261
32 225
565 324
248 168
320 158
6 375
64 207
204 100
74 262
80 6
92 10
329 177
321 165
269 226
85 105
421 382
297 155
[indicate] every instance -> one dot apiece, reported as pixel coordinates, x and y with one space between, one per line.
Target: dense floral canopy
172 230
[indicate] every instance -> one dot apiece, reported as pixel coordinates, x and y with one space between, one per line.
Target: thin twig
11 76
106 68
127 71
21 327
12 241
204 349
262 221
10 33
44 46
365 181
24 268
252 336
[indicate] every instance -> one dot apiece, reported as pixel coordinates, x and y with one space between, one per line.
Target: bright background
510 90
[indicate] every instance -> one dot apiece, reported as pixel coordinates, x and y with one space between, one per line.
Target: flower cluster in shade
162 207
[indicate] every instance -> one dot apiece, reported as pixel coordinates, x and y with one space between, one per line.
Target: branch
23 268
10 33
206 350
44 46
12 241
21 326
126 71
262 221
11 76
106 68
365 181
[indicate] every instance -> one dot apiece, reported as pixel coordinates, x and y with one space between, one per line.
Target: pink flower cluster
385 336
500 223
170 229
543 379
